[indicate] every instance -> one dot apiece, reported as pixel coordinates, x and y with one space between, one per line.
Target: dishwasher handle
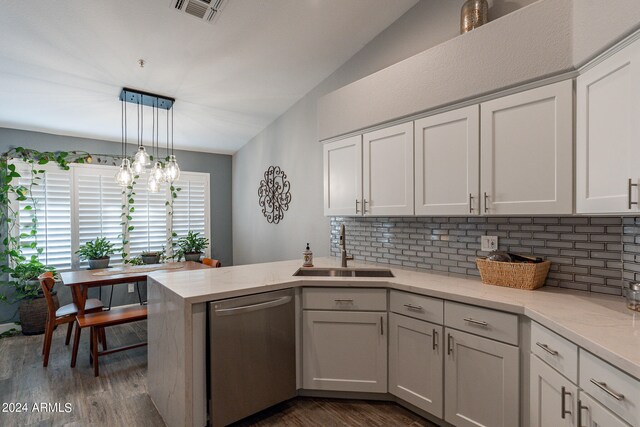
252 307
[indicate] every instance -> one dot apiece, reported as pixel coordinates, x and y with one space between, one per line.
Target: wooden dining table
79 281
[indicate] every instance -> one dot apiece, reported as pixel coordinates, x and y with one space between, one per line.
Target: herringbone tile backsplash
587 253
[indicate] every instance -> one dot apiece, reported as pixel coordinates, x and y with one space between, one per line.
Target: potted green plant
33 306
192 246
97 252
152 257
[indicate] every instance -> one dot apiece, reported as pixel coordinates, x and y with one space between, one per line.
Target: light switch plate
488 243
130 288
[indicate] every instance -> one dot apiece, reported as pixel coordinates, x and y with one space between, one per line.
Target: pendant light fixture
143 158
172 170
124 176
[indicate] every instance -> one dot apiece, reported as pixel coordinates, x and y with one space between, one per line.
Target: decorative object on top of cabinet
274 195
474 13
520 275
607 129
527 152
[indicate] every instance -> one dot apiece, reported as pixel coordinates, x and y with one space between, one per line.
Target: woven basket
33 314
513 274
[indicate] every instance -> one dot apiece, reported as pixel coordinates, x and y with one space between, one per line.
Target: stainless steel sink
343 272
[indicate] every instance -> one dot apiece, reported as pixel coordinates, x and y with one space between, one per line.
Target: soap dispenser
307 257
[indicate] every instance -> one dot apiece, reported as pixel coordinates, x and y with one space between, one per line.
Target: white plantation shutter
98 200
52 198
85 202
191 207
149 219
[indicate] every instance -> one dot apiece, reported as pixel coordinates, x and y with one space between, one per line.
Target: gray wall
291 141
217 165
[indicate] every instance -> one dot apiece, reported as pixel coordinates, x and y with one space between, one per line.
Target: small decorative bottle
474 13
307 257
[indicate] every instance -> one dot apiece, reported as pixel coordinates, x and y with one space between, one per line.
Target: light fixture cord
121 127
171 130
153 121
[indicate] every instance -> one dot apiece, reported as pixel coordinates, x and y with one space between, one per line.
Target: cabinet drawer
344 299
481 321
555 350
612 387
418 306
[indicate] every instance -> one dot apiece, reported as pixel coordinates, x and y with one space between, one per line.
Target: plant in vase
192 246
97 252
33 306
152 257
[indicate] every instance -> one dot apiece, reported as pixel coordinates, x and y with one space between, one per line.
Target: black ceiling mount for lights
135 96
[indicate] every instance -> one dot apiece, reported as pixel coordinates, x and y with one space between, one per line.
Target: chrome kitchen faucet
343 250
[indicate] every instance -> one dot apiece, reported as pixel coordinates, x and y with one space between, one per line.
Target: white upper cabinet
527 152
447 163
343 176
607 134
388 171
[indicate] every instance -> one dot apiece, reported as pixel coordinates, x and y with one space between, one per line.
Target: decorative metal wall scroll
273 194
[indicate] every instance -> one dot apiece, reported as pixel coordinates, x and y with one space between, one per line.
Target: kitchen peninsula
598 325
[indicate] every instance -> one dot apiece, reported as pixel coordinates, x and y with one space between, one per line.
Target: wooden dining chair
65 314
211 262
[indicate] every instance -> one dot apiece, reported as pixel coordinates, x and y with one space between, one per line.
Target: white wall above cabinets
370 174
608 132
527 152
447 163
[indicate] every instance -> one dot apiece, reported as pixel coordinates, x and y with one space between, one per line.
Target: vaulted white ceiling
64 62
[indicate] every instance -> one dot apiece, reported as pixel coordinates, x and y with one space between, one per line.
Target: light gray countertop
599 323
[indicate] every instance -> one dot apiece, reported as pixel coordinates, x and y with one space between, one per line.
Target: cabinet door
593 414
343 176
415 362
527 152
388 171
481 381
607 132
345 351
553 397
447 163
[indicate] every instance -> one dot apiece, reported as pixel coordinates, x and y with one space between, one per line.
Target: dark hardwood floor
118 397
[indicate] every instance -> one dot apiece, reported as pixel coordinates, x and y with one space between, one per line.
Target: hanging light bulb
157 172
141 160
124 177
152 184
172 170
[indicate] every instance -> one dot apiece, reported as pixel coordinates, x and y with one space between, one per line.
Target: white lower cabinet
593 414
415 362
553 397
481 381
345 351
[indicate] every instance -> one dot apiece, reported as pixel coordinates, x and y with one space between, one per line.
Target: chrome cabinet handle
563 404
580 408
547 349
486 205
470 203
435 339
476 322
603 386
381 325
364 206
357 205
414 307
630 186
449 342
343 300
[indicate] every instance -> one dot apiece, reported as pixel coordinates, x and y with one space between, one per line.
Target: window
85 202
51 198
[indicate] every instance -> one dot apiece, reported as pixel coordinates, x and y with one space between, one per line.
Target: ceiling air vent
207 10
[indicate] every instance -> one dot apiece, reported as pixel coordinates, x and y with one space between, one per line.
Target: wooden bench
100 320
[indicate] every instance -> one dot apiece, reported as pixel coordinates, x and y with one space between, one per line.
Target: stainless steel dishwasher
252 354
